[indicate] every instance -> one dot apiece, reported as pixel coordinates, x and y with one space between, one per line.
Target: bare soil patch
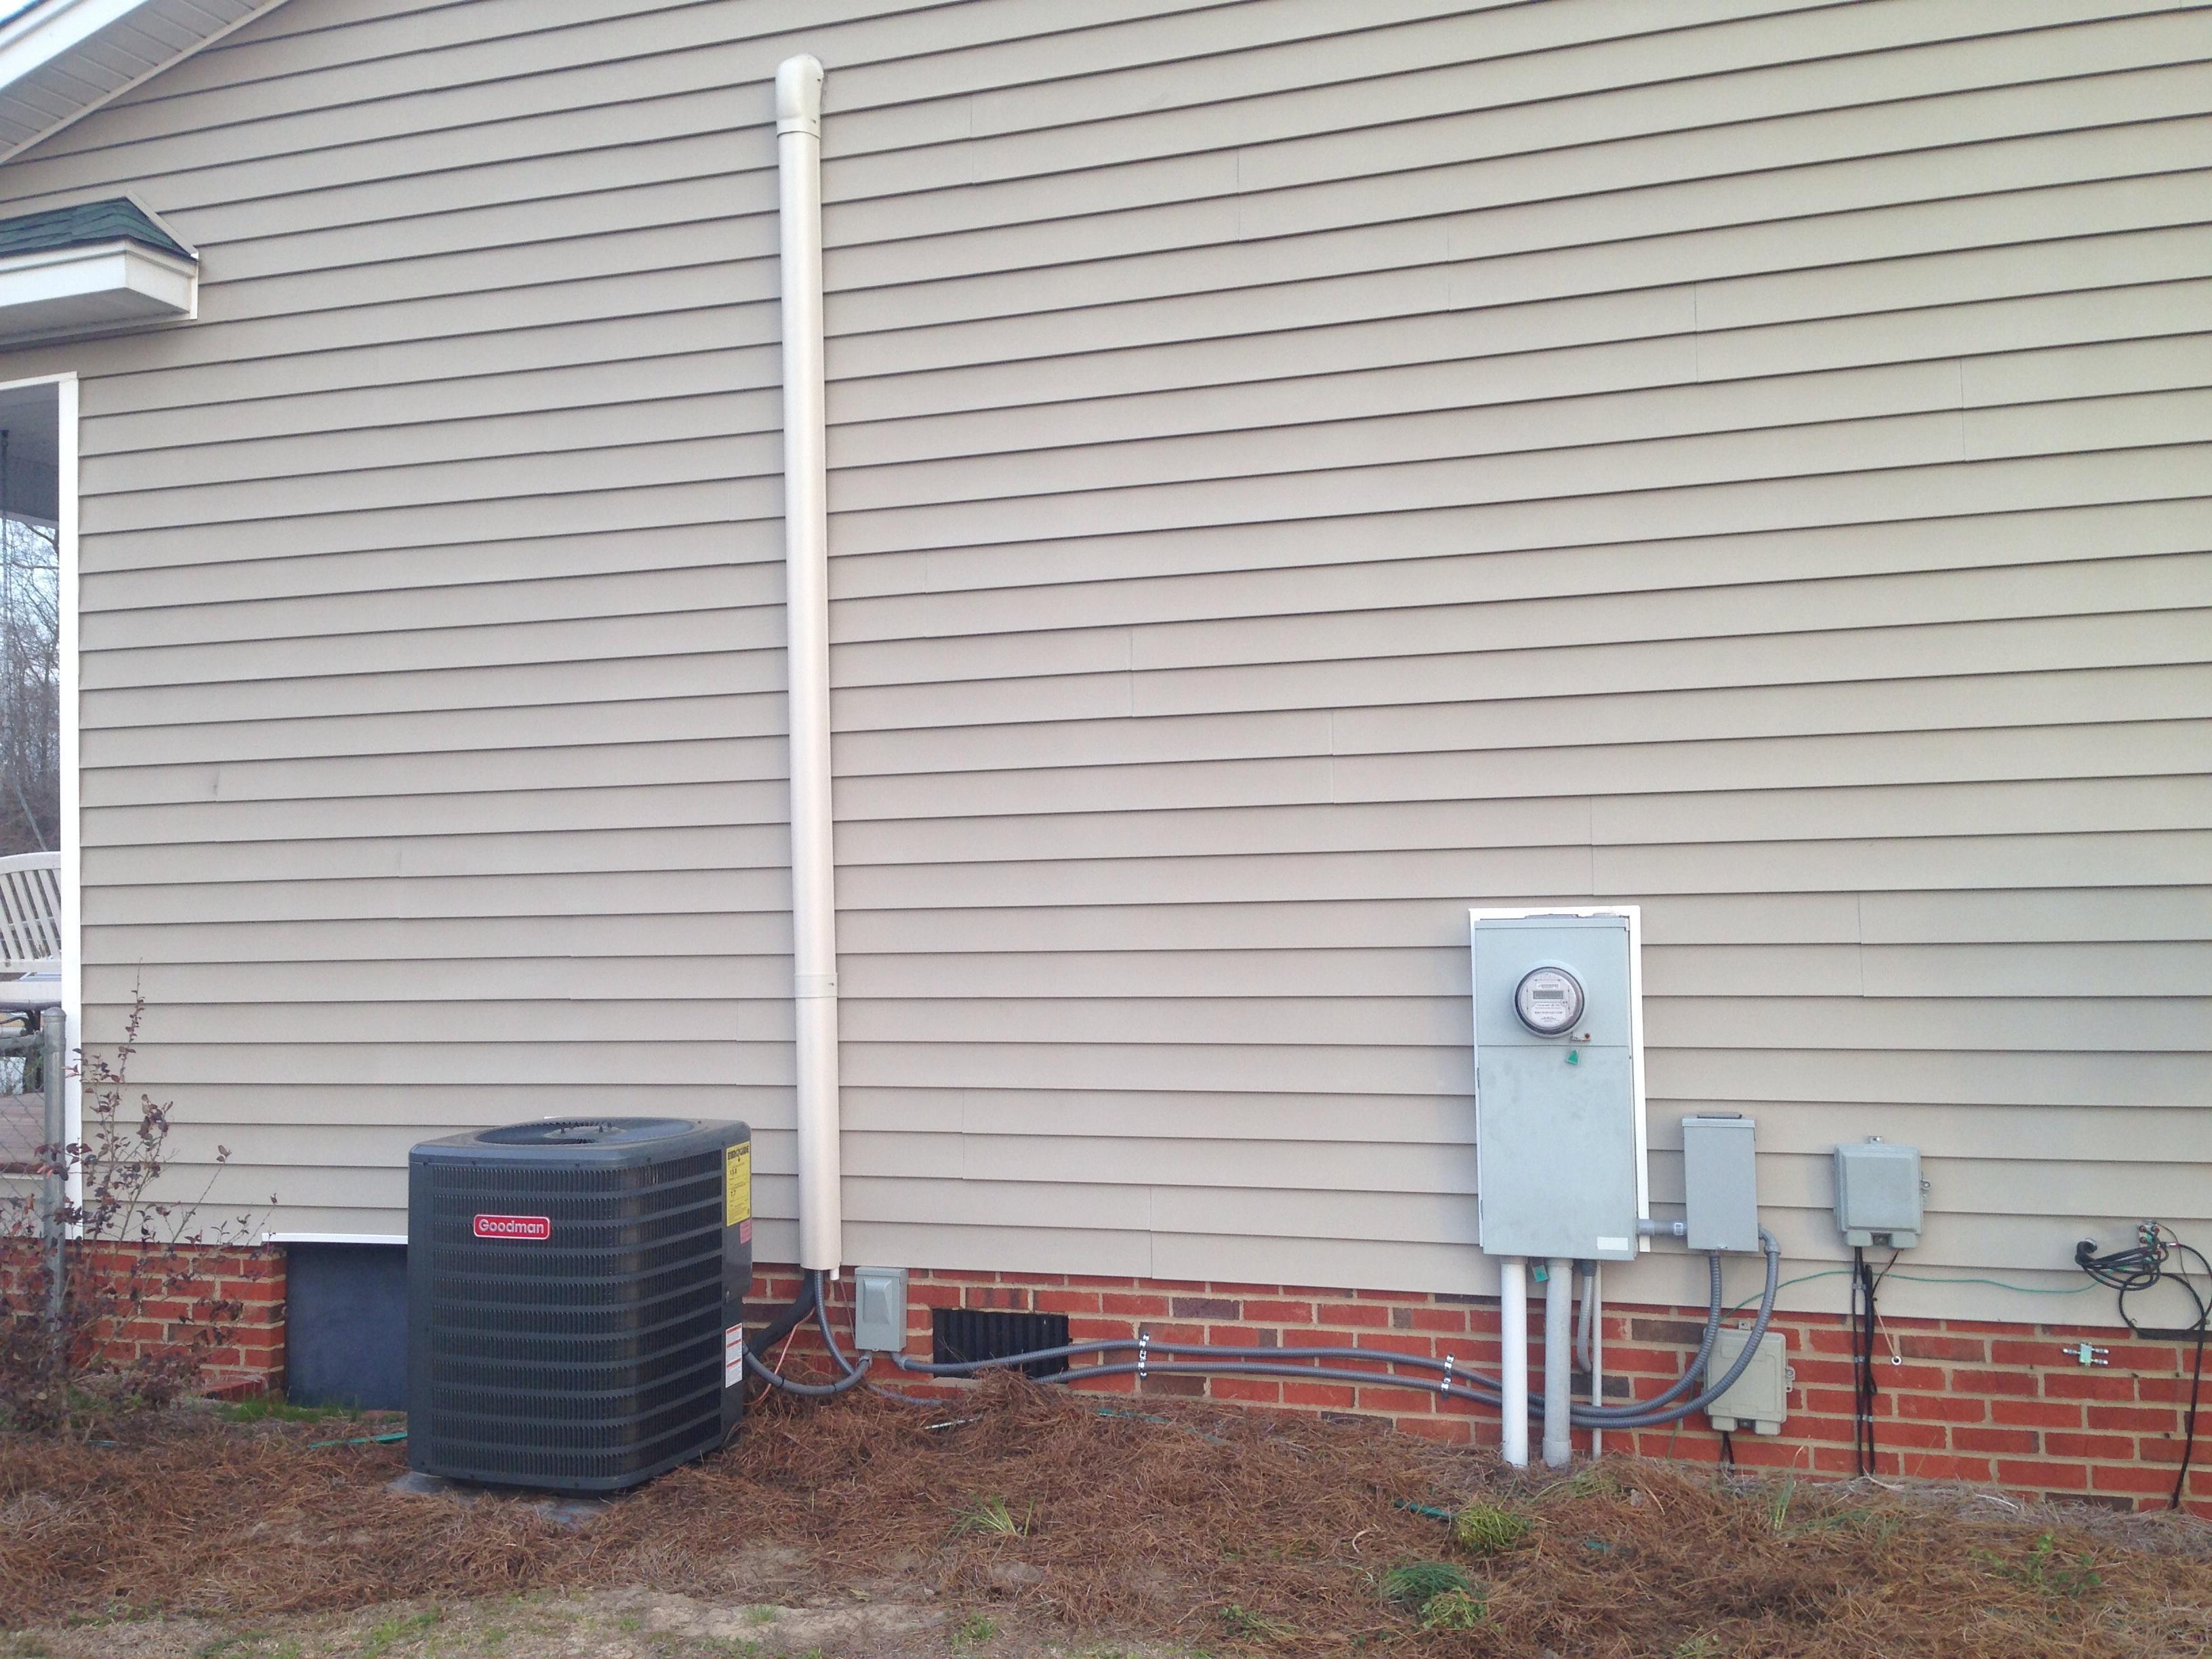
1166 1527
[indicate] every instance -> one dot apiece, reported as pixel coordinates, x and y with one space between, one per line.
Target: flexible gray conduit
1482 1390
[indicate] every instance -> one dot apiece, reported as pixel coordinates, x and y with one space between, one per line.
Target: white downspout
806 613
1513 1360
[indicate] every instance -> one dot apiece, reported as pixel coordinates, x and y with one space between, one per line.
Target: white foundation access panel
1558 1078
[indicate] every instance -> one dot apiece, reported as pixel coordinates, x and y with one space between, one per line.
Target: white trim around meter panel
1633 914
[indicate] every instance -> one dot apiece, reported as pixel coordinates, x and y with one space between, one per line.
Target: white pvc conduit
1513 1359
806 610
1558 1360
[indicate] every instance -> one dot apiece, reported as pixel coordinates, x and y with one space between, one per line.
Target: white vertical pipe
1513 1359
806 614
1596 1294
1558 1360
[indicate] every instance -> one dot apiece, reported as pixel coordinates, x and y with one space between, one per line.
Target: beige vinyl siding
1298 471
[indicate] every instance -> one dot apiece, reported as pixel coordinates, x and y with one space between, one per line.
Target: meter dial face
1549 1000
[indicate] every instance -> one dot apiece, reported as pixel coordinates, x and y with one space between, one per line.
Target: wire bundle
1865 1389
2142 1266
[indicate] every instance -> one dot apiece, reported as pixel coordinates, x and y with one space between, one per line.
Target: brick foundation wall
1999 1404
250 1359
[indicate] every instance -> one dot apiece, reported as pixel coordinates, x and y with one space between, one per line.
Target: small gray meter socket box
1559 1131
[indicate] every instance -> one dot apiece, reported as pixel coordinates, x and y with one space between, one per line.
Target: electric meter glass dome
1549 1000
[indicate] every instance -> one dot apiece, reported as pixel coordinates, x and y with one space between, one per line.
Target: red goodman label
514 1226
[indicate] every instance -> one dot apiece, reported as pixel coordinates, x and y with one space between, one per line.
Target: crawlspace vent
965 1334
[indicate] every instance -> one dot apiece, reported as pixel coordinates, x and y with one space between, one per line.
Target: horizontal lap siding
1296 472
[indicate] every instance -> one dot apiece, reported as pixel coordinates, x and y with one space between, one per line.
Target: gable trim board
60 60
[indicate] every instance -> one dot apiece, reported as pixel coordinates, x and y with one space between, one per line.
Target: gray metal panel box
879 1309
1759 1398
1559 1118
1720 1181
1878 1194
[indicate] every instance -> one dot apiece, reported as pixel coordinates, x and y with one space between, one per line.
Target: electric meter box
1558 1083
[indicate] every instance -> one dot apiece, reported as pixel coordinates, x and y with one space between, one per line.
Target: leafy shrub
140 1305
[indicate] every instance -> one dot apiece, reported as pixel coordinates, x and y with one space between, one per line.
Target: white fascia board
103 286
44 33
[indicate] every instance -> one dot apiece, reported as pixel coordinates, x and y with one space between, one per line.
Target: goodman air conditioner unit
575 1299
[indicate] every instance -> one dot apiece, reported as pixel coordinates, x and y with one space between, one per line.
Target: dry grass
1217 1529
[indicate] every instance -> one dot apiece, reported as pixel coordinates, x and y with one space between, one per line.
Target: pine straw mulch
1217 1528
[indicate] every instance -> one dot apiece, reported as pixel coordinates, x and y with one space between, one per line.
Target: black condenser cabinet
575 1299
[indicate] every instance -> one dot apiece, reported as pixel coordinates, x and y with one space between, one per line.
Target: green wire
1918 1279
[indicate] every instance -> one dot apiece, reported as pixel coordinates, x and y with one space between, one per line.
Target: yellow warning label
738 1184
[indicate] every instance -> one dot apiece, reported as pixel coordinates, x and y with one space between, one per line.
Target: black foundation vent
963 1335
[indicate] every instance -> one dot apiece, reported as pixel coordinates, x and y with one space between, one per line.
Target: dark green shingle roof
89 223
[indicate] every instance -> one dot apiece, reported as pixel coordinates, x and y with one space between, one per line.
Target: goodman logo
514 1226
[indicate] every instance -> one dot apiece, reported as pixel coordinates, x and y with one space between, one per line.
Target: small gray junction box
1558 1107
1878 1194
1759 1398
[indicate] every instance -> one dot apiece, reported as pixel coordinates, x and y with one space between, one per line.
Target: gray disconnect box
1720 1181
1878 1194
879 1309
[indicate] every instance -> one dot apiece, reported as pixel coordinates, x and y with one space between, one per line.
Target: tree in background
30 687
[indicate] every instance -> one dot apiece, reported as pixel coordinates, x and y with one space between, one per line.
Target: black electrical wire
1863 1388
810 1301
2141 1267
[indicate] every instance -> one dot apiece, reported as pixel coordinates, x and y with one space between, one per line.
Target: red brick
1937 1466
2019 1383
1254 1390
1996 1440
1067 1302
1942 1408
1833 1372
1409 1401
1438 1319
1207 1307
1240 1336
1335 1395
2088 1385
2039 1413
2173 1390
1160 1332
2153 1419
1352 1313
1141 1306
2131 1477
1278 1313
2040 1477
1452 1431
1918 1345
1912 1434
2059 1443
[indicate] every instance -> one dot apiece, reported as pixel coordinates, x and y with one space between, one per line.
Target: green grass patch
1491 1528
